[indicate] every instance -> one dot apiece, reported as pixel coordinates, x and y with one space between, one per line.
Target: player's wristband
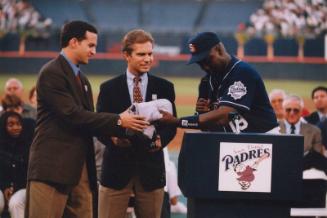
191 122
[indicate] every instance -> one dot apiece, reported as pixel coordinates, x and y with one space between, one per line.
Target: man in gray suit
293 124
62 173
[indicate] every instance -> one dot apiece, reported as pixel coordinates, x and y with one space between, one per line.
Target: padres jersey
243 89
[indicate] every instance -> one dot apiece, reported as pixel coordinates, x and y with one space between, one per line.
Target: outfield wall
303 70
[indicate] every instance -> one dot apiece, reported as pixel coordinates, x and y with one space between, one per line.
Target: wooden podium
240 175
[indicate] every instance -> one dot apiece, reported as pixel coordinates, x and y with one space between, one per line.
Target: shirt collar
74 67
321 115
297 127
130 77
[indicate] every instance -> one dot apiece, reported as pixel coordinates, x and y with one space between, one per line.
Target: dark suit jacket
313 118
65 126
120 164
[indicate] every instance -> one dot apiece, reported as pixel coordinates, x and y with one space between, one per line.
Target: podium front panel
200 160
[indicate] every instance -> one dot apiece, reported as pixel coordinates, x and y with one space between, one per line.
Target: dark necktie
79 81
137 95
292 129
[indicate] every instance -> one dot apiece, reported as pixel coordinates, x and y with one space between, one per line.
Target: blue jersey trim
240 105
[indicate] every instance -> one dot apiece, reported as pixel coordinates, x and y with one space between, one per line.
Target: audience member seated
12 103
319 117
32 97
20 15
276 97
290 18
15 140
314 192
15 104
15 87
293 124
319 97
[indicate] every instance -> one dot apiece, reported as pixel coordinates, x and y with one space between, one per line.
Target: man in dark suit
319 117
319 97
133 166
61 173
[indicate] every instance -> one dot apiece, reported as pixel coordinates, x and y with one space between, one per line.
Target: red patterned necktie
137 95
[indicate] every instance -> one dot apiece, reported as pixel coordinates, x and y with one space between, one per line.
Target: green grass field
186 88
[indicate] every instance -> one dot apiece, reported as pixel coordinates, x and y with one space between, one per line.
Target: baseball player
234 87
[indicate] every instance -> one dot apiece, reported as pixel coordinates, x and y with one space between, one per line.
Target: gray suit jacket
65 126
312 136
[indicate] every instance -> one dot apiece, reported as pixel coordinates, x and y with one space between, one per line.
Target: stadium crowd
17 16
290 18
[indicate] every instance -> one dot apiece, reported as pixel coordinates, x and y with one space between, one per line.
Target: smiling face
13 126
140 59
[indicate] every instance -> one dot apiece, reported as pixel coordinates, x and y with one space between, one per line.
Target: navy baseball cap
201 44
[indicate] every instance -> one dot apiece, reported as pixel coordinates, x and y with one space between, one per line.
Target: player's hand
133 122
156 144
121 142
8 192
202 105
168 118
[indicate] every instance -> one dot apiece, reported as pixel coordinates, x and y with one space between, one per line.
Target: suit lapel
303 129
74 84
282 127
150 89
86 95
123 95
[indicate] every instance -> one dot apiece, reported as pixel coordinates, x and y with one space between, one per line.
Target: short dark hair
319 88
135 36
75 29
11 101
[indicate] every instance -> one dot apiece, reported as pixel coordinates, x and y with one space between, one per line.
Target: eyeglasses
295 110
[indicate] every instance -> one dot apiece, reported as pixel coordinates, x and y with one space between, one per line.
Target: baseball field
186 92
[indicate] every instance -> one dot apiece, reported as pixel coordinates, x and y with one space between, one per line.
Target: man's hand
8 192
202 105
133 122
168 118
121 142
157 144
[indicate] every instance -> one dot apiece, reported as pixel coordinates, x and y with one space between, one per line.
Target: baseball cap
201 44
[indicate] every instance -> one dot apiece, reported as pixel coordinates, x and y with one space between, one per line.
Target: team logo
192 48
245 167
237 90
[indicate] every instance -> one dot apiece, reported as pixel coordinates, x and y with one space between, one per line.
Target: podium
240 175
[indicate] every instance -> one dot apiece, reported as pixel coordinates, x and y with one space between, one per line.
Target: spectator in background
32 97
276 97
14 86
12 103
319 117
293 124
15 140
319 97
